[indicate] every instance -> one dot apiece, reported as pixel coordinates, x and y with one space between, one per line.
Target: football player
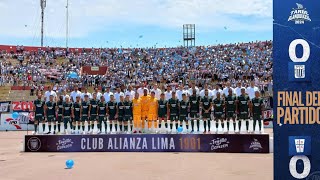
67 112
173 109
38 106
93 111
206 105
49 112
257 108
127 112
194 109
84 111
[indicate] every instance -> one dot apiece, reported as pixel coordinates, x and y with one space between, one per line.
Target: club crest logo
299 15
34 144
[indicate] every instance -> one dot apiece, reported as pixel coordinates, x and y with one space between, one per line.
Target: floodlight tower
189 37
43 6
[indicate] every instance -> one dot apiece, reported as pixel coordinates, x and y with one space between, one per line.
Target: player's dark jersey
85 108
184 105
120 109
194 104
243 103
257 106
173 106
231 103
218 105
206 103
162 108
102 108
60 107
76 107
112 108
51 106
39 107
94 106
67 109
128 108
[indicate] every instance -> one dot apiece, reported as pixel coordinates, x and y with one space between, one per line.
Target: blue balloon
69 163
180 129
15 115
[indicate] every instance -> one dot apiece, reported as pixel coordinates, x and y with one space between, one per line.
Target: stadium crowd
167 67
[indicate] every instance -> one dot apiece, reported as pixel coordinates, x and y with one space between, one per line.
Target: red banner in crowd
94 70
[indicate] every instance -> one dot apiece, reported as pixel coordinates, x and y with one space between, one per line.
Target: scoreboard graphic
296 50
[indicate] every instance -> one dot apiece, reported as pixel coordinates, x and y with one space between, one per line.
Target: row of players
146 107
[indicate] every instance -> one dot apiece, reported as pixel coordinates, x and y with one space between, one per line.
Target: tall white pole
67 24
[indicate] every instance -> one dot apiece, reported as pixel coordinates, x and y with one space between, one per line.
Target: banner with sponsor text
149 143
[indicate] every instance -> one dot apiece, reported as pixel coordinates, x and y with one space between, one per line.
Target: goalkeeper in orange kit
153 110
136 111
144 106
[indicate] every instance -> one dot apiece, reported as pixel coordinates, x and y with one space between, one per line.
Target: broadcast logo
299 149
299 15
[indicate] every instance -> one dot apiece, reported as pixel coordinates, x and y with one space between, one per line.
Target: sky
138 23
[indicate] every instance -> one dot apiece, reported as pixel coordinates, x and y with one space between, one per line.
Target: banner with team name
149 143
296 75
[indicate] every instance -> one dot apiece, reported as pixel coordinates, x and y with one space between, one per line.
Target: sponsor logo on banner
25 106
255 145
21 123
34 144
219 143
13 122
5 106
64 144
299 15
299 145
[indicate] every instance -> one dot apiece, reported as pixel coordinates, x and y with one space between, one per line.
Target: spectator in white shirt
216 90
49 93
107 94
252 89
225 91
130 93
193 86
179 93
237 90
202 92
96 90
86 93
140 89
117 95
168 93
75 93
157 91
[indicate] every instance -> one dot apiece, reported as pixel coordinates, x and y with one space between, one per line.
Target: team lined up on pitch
147 114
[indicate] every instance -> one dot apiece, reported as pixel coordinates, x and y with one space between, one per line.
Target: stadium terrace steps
20 95
4 92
